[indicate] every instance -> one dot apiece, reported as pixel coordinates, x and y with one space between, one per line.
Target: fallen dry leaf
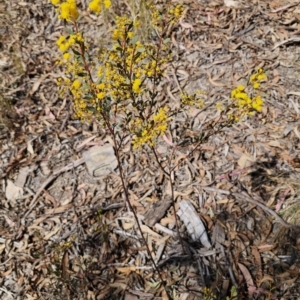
13 192
248 279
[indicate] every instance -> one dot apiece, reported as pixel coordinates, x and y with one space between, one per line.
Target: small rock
100 160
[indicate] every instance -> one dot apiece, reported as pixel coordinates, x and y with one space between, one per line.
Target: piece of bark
157 211
193 223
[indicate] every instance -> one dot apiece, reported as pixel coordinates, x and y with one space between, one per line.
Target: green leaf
141 50
68 31
153 95
155 284
92 109
137 56
128 118
233 292
119 66
134 40
76 52
130 25
87 56
166 41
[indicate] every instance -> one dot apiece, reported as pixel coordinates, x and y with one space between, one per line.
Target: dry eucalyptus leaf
30 147
245 160
22 177
12 191
65 265
129 296
231 3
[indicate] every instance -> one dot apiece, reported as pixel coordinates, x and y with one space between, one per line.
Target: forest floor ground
65 234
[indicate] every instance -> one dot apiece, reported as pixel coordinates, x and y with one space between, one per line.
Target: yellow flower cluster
171 16
192 100
208 294
67 10
97 5
80 104
155 16
63 246
124 28
77 87
176 13
257 103
243 101
147 132
257 78
136 86
65 43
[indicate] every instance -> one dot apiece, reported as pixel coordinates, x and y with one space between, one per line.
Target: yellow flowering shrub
127 74
124 84
119 86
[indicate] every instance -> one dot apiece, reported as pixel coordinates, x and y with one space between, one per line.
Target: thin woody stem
159 162
169 175
125 189
174 209
82 54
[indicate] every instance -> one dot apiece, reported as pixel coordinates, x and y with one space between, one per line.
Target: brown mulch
67 235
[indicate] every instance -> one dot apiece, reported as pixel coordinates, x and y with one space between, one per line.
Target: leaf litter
70 234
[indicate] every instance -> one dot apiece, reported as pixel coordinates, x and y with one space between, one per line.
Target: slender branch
176 217
159 162
169 175
127 200
82 54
